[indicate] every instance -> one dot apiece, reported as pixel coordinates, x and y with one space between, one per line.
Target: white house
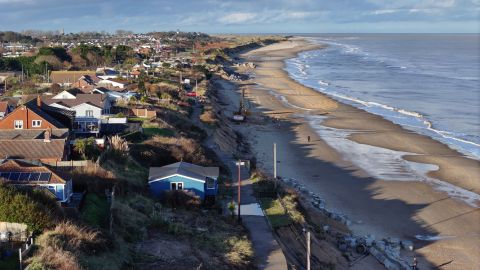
89 109
114 83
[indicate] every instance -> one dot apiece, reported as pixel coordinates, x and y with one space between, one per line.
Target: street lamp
239 163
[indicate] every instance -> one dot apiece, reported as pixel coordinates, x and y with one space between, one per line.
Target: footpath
268 252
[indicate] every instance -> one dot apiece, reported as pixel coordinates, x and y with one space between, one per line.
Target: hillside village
119 151
100 149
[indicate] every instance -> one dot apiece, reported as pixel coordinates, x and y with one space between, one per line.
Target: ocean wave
323 83
387 164
432 237
409 119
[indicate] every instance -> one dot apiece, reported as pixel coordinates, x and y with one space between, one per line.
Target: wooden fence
71 163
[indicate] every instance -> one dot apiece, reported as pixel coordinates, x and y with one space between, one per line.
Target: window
36 123
18 124
210 183
89 113
176 186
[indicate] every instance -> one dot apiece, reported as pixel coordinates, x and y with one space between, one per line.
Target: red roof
17 166
3 106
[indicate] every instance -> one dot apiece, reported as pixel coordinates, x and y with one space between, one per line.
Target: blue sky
247 16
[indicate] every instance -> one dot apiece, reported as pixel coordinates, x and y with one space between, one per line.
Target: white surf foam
386 164
432 237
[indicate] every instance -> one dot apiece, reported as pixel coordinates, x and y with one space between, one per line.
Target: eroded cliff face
224 135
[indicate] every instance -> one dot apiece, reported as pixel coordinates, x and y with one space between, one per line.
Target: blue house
184 176
25 174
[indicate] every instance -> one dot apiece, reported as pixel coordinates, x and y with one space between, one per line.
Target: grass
137 119
151 131
275 212
95 210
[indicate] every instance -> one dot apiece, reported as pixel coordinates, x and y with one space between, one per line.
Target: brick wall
27 116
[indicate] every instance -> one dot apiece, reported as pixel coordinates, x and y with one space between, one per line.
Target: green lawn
275 212
137 119
95 210
150 131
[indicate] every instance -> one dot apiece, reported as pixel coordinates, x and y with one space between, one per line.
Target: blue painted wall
199 188
62 191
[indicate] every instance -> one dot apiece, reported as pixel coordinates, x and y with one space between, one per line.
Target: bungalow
184 176
135 74
107 73
86 82
116 83
25 174
67 78
115 96
49 145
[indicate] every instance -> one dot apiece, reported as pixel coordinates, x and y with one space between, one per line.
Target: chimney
47 135
39 101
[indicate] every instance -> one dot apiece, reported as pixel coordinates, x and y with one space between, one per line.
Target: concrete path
268 253
267 250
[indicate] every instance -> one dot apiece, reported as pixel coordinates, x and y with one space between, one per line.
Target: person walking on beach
308 138
414 265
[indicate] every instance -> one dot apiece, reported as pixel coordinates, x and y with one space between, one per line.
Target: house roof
69 76
32 149
31 173
93 99
3 106
184 169
26 134
90 79
118 80
42 112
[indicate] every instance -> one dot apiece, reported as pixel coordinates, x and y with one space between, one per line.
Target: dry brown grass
70 237
61 247
208 117
119 144
50 258
160 151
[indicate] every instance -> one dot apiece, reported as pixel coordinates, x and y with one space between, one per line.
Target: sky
244 16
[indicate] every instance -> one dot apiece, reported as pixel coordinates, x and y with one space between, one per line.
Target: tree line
56 58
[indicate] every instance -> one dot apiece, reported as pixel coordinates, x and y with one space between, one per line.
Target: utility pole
238 191
275 161
308 250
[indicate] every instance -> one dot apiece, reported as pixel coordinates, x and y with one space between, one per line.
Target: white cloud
237 18
298 15
383 11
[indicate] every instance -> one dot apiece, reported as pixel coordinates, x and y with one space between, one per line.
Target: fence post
20 258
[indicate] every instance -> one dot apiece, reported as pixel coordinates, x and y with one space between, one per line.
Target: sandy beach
286 112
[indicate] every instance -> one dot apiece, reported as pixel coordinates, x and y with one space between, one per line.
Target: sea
427 83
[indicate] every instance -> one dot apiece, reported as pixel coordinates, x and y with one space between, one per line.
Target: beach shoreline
375 205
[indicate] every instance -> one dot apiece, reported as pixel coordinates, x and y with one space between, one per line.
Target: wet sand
375 205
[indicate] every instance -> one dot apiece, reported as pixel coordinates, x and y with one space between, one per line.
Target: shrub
181 198
119 145
27 206
208 117
160 151
240 250
73 238
60 248
50 258
87 148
